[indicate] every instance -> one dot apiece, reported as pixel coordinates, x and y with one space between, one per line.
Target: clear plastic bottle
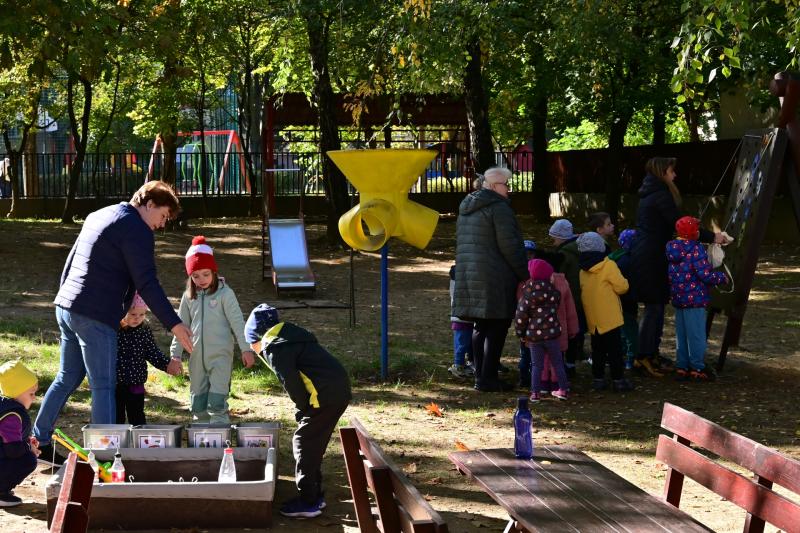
523 430
92 460
227 470
117 469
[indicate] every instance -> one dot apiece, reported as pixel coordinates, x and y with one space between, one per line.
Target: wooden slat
674 483
405 492
384 497
357 479
60 513
568 492
750 496
765 462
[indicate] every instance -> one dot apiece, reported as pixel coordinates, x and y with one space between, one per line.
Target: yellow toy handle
104 474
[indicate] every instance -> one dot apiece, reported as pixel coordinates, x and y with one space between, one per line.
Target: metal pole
385 312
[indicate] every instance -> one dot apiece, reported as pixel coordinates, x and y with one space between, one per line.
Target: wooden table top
563 489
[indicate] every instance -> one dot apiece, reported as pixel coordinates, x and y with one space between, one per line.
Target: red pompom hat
200 256
688 228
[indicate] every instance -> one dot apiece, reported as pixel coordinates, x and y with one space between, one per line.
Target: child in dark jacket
320 389
135 347
536 321
690 275
630 308
18 449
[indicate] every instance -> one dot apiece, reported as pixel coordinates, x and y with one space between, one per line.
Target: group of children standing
581 286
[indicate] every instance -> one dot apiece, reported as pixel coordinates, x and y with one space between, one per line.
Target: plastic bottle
523 431
227 470
117 469
92 460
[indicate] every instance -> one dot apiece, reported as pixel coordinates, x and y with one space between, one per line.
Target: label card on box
104 442
208 439
255 441
152 441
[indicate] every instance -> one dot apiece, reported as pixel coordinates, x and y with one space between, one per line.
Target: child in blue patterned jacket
690 276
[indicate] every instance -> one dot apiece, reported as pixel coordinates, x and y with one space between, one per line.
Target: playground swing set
231 174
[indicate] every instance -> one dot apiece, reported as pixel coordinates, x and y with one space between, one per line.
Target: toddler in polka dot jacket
536 322
135 348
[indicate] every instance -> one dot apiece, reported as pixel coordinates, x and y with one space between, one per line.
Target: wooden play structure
765 157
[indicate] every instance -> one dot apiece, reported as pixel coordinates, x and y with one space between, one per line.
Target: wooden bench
753 495
71 514
400 506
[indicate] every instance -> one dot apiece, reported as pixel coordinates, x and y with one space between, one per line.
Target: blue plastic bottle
523 432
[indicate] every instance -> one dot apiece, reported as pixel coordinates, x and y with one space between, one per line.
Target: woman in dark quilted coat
490 263
659 202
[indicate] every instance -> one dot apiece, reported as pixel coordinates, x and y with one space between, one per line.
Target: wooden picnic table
563 489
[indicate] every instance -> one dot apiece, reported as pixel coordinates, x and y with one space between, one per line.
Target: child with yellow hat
18 449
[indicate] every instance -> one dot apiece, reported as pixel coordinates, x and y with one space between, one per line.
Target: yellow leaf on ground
460 446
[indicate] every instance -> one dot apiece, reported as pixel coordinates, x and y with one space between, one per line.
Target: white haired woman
490 263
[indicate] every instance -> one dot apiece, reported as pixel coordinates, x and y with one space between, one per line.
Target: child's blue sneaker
297 508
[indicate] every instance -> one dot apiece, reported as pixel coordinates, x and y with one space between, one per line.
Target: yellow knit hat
15 379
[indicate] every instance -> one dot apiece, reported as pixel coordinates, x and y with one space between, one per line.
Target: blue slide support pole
385 312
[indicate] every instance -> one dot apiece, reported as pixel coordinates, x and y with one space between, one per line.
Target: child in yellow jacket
601 285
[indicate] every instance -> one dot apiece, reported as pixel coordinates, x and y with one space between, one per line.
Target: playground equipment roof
295 109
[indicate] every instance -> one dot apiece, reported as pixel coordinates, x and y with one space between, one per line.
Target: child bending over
320 389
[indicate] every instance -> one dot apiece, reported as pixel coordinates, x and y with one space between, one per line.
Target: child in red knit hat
211 309
690 276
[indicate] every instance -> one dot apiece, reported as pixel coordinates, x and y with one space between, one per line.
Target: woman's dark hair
597 220
191 289
160 193
658 166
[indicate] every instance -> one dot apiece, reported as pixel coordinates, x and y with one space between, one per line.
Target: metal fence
119 175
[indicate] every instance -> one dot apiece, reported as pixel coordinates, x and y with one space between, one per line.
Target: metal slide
289 254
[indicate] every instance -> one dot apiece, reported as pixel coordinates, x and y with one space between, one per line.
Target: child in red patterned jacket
536 321
690 275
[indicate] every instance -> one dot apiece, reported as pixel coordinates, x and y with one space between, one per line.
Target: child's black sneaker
503 369
622 385
703 375
9 500
681 374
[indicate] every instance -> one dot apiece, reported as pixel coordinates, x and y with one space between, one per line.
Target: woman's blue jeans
87 347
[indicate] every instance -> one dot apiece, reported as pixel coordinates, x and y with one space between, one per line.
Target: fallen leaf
490 415
410 468
546 462
460 446
433 409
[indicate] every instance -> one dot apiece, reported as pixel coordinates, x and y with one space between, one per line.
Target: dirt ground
754 396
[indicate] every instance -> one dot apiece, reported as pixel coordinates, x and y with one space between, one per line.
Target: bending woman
659 201
113 258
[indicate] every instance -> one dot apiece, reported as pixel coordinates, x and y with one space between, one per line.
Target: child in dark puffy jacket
690 276
536 321
630 308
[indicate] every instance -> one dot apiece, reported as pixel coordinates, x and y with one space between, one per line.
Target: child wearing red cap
536 321
135 348
212 311
690 276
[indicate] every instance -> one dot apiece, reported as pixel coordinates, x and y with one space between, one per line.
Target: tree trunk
542 181
15 156
387 136
318 28
30 167
692 121
169 149
81 137
614 170
659 125
476 102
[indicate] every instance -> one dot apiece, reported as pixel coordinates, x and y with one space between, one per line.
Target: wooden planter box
156 499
